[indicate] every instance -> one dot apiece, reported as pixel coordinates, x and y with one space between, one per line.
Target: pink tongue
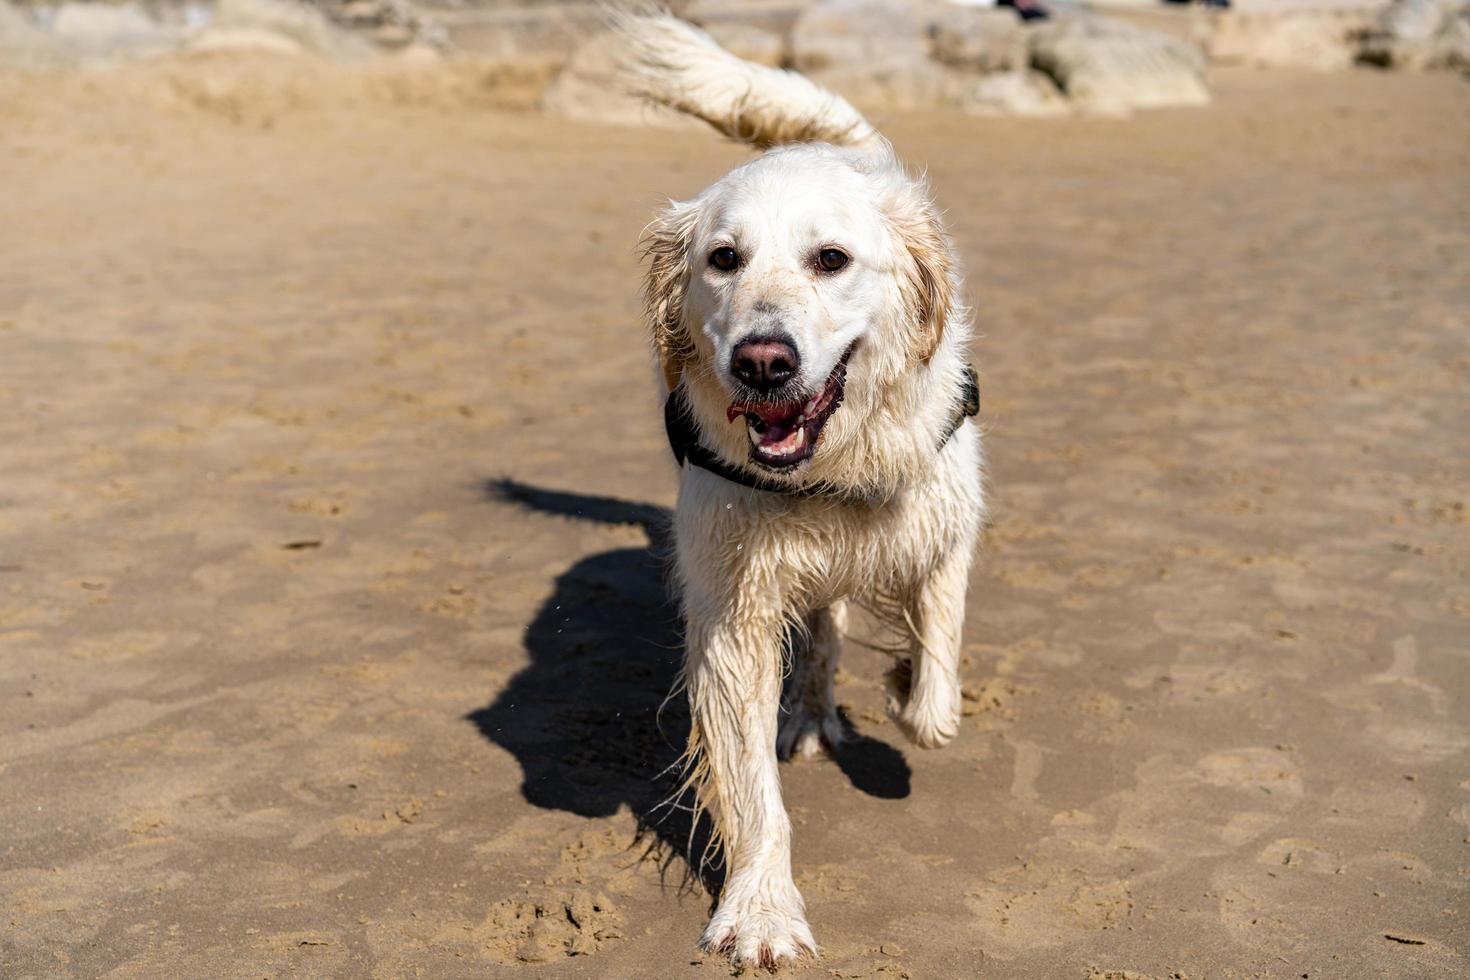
778 421
771 414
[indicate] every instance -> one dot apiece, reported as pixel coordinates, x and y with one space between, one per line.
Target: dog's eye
724 258
831 259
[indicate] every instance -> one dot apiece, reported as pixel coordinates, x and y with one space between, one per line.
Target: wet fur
753 567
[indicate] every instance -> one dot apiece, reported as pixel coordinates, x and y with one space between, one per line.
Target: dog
811 339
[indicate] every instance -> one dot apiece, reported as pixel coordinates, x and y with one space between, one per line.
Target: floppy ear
928 277
666 245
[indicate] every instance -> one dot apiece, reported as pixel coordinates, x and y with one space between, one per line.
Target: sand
331 640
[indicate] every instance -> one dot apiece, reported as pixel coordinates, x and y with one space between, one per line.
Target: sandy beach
332 629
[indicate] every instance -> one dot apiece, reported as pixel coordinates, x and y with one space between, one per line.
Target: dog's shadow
589 718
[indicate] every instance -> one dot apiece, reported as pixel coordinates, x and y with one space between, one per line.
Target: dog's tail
674 64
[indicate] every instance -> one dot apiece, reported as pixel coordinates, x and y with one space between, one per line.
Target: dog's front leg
733 672
930 713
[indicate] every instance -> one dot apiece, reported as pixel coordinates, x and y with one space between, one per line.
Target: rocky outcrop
852 34
24 45
96 30
747 41
590 88
935 54
1111 68
1013 93
82 31
278 25
881 54
1316 39
1420 35
389 24
984 40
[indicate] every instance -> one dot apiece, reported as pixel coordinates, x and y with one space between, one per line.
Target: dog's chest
866 551
818 552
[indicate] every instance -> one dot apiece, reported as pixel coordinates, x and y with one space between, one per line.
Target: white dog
807 319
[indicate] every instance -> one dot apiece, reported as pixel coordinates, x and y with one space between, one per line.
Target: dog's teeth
794 443
754 436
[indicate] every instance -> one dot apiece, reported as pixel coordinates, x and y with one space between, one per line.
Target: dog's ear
928 275
666 245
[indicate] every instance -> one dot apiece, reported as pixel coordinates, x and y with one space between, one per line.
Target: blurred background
1022 57
333 634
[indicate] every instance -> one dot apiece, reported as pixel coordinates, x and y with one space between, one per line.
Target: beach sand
332 640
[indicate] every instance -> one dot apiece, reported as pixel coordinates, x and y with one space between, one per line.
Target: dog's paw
929 717
758 934
926 726
926 722
805 735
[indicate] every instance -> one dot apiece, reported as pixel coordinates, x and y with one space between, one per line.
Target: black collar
684 441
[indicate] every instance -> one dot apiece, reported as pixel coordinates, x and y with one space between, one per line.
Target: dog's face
792 272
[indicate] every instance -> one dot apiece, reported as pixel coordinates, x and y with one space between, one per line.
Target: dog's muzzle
784 434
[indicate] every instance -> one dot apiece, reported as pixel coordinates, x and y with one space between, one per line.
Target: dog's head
809 278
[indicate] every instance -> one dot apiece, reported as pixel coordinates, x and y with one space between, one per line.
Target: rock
907 86
1015 93
913 55
112 30
980 39
391 24
855 33
1415 20
1451 47
891 83
419 53
24 45
100 20
362 13
1420 35
589 88
1108 67
1317 40
393 35
749 42
244 39
543 36
306 26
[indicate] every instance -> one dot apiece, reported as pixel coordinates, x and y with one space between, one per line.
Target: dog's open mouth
785 434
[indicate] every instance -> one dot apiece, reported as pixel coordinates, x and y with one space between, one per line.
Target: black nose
764 363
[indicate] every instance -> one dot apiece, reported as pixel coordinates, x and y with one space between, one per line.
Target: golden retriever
806 316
